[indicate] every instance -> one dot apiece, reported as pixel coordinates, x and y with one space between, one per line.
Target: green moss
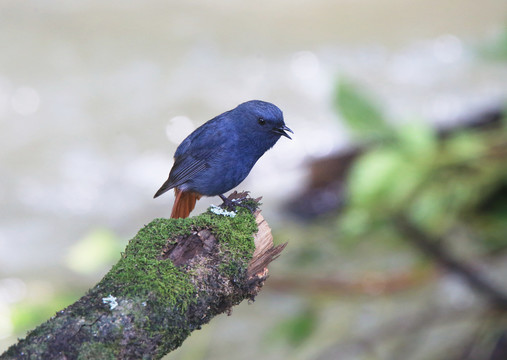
153 292
234 234
140 273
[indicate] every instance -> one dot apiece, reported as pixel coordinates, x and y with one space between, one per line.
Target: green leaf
372 176
416 140
360 113
466 146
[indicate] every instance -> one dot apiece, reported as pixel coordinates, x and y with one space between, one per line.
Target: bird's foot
243 201
227 204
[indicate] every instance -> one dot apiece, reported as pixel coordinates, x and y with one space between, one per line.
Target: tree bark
174 276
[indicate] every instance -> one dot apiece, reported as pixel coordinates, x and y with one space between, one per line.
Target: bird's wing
194 154
185 167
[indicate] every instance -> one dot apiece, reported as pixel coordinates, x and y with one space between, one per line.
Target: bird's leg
232 204
229 204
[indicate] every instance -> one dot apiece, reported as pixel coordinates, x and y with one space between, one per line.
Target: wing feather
193 155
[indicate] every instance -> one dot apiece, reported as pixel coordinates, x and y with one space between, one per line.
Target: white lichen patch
219 211
111 301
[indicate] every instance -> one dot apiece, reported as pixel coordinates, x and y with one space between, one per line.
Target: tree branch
433 247
175 275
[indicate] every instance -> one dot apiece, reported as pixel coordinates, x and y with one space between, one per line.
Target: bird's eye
261 121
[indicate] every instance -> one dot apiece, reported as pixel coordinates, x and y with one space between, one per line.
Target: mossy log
174 276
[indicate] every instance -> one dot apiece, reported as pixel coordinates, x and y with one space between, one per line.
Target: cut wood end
263 239
265 251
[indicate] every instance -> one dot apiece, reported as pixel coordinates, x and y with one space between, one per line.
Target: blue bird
219 154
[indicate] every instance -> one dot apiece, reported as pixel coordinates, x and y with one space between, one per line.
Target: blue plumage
218 155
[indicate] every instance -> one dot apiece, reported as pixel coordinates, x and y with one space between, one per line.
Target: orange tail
184 203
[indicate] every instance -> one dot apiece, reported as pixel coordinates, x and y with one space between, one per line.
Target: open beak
283 131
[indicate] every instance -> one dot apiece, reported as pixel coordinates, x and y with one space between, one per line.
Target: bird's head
262 120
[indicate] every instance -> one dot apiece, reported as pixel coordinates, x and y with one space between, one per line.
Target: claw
232 204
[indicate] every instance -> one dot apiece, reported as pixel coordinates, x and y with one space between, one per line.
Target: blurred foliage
451 185
440 182
96 251
294 330
361 114
496 49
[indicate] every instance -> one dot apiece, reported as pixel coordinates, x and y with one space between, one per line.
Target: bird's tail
184 203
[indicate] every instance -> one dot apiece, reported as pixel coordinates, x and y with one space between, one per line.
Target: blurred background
392 193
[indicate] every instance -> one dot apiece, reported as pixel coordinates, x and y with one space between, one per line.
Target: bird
218 155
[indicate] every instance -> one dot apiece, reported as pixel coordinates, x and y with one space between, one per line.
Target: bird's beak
282 131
